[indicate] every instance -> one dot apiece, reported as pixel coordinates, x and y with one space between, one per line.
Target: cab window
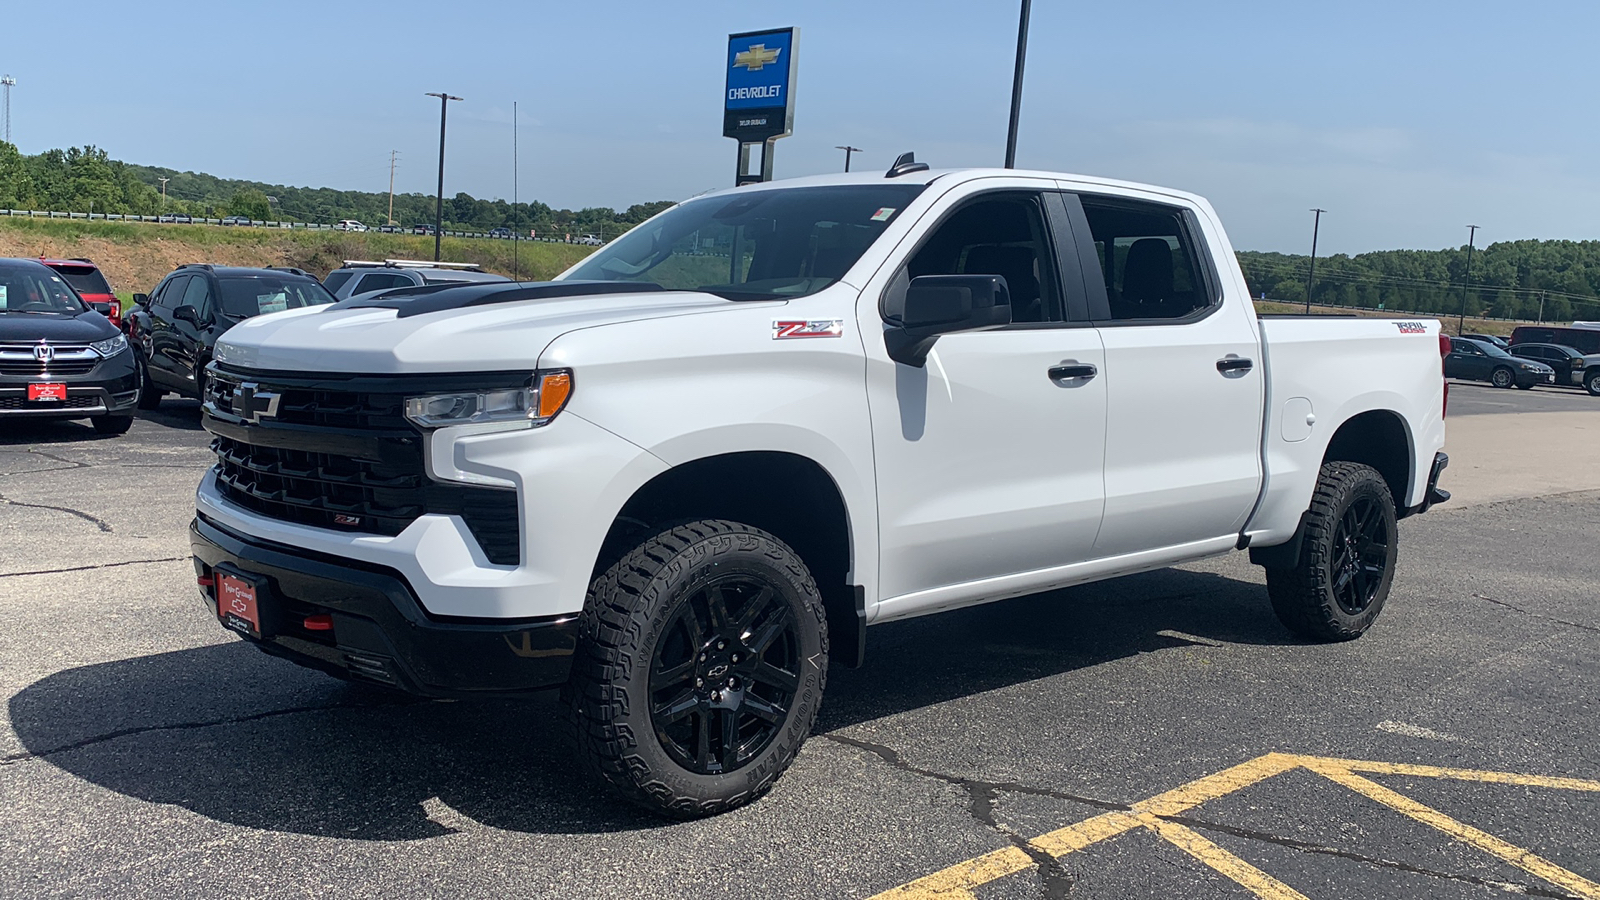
1148 258
997 234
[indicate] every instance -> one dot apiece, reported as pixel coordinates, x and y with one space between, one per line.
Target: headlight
110 347
526 407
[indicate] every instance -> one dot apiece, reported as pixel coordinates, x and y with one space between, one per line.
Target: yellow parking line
957 882
1383 768
1229 866
1461 831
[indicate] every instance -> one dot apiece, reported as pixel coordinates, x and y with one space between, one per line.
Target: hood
382 340
62 328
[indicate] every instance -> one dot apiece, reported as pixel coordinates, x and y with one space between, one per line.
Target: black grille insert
345 460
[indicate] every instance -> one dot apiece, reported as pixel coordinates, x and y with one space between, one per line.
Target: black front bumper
380 632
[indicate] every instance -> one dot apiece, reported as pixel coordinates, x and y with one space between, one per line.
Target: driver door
989 469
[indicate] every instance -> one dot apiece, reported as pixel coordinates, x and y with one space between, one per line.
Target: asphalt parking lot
1155 736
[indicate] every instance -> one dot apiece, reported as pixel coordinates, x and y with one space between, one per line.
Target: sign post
758 104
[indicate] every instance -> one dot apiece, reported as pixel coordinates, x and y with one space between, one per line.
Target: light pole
438 209
1016 85
1316 225
6 84
847 151
1461 322
163 191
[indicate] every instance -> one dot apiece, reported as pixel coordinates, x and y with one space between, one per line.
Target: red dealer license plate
236 604
48 390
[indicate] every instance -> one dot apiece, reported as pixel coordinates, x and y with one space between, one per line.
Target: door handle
1234 364
1072 372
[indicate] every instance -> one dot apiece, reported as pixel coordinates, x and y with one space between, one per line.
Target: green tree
250 203
16 187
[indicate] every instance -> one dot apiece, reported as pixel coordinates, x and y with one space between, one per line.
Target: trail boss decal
813 328
1411 327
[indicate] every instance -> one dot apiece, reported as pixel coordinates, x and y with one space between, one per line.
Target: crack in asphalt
1056 882
1529 612
128 562
13 758
76 464
102 524
1304 847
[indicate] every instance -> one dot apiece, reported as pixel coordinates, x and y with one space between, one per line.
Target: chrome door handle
1072 372
1234 364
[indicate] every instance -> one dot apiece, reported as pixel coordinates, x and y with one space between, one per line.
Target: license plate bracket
240 597
52 391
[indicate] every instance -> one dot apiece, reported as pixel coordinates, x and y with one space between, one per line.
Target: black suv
1573 366
58 357
174 327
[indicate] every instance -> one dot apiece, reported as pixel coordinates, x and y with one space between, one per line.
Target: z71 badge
813 328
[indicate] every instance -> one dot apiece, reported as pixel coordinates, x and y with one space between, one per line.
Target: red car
85 278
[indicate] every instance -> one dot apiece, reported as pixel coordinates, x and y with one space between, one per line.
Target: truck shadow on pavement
231 734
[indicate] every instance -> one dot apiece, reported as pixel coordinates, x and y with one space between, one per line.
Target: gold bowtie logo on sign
756 58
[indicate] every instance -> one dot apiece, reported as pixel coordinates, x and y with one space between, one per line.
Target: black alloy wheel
1502 378
701 659
724 674
149 394
1361 553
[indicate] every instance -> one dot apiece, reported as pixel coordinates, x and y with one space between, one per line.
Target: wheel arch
786 494
1379 438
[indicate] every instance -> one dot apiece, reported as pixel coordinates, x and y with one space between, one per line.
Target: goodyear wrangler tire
1348 551
701 660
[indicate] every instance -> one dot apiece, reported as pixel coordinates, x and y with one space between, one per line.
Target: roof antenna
905 164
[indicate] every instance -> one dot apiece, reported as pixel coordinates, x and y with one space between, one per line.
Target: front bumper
1535 378
380 632
110 388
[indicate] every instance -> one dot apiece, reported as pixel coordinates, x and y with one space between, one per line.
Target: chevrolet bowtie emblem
756 58
251 403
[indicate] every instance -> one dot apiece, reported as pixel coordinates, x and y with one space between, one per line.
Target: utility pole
1316 225
847 151
1541 307
163 191
516 220
438 209
1016 85
392 155
1461 323
7 82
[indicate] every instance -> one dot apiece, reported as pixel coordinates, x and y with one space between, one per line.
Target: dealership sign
758 102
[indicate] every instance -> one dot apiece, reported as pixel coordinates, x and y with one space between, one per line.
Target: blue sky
1405 120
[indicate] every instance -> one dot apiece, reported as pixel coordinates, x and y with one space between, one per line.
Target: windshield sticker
814 328
272 303
882 215
2 296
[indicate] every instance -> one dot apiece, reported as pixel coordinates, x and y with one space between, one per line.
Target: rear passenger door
1183 375
160 337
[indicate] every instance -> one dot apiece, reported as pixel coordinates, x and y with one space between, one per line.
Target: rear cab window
1150 261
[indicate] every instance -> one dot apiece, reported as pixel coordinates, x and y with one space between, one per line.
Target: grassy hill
134 256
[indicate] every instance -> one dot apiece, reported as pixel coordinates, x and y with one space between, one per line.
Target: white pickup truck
681 478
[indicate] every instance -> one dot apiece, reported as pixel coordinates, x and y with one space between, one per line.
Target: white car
349 225
686 476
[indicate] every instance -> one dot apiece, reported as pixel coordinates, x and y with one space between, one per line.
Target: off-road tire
1591 381
630 609
1303 594
111 424
1502 377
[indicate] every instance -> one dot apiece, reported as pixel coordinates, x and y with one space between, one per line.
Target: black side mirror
187 314
141 299
103 309
945 304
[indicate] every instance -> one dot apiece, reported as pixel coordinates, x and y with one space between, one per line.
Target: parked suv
58 357
1472 360
1584 336
360 276
174 327
85 278
1573 367
349 225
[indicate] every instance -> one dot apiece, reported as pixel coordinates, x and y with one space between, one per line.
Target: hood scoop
418 301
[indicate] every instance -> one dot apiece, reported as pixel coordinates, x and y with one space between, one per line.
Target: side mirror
141 299
945 304
187 314
103 309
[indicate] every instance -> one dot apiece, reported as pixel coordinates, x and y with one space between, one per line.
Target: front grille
78 401
57 367
20 358
341 459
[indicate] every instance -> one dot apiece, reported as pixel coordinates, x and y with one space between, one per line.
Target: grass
135 255
1500 327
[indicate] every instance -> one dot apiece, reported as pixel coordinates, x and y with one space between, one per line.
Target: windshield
246 297
84 280
36 290
761 245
